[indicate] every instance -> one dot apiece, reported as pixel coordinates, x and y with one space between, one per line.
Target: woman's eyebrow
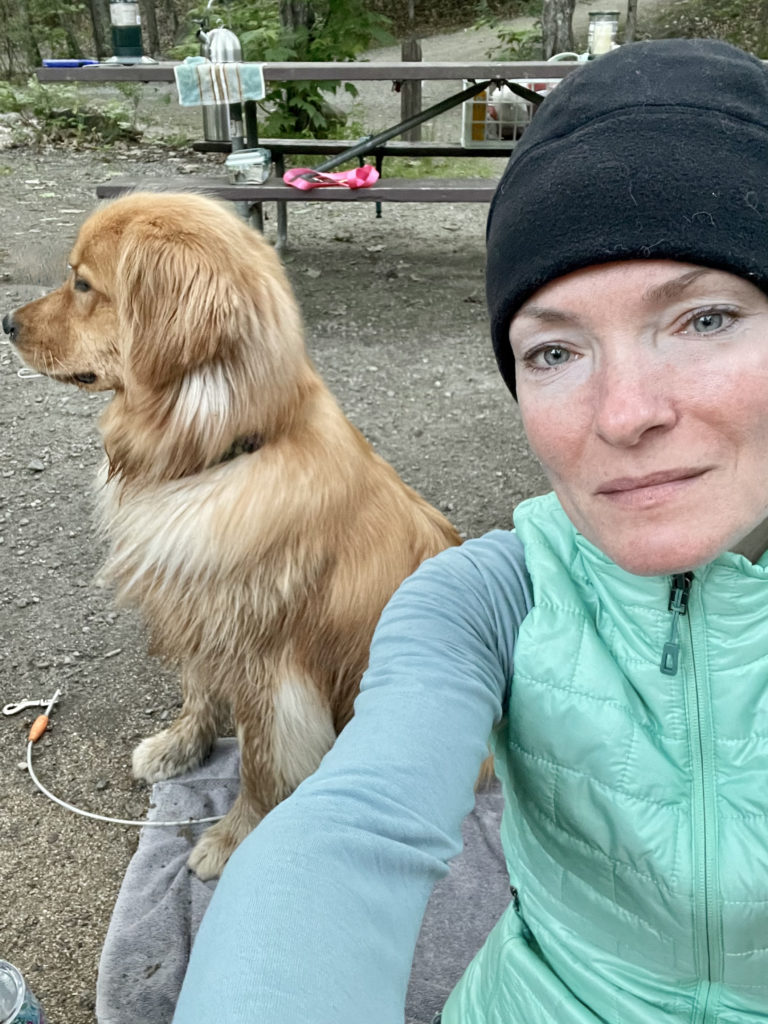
659 293
672 289
556 316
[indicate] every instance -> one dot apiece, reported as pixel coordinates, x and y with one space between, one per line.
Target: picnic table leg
282 225
282 208
379 159
251 124
256 216
237 142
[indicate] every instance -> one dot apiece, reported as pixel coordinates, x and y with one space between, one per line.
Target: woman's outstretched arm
316 916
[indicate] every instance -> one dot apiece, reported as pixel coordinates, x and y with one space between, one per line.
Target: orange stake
40 724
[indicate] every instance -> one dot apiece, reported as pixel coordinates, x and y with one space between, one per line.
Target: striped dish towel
202 82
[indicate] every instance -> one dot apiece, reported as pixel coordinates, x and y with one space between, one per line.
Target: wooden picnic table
327 71
415 190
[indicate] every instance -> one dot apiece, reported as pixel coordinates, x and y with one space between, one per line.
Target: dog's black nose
9 326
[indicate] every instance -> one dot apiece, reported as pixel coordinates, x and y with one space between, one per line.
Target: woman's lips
651 489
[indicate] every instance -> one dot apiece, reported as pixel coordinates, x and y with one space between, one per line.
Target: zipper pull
678 605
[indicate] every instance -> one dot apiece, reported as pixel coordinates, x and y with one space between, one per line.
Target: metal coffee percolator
219 45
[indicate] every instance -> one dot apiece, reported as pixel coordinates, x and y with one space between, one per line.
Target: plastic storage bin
498 116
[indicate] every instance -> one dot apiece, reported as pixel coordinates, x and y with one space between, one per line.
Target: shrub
55 113
338 30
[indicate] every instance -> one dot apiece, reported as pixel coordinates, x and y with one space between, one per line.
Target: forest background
317 30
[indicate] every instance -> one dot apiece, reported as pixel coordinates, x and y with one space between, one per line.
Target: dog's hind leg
187 742
279 746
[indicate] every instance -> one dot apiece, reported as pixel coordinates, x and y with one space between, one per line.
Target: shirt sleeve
316 916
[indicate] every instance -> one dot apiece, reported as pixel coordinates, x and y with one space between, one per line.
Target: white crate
497 116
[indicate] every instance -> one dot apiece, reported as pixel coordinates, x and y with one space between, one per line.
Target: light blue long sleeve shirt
316 916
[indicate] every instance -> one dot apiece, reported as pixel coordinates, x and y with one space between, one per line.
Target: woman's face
643 388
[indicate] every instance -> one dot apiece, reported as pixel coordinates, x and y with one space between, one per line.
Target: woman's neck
755 543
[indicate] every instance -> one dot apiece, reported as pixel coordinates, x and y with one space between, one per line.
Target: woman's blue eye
705 323
555 356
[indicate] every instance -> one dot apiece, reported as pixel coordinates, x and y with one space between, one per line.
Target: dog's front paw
212 852
164 755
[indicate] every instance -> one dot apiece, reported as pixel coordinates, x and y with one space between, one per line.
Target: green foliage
133 94
177 140
54 113
34 29
514 43
741 22
338 30
518 44
256 25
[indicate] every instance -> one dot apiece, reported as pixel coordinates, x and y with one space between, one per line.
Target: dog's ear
177 298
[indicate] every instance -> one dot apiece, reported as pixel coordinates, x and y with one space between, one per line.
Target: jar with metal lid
18 1005
249 166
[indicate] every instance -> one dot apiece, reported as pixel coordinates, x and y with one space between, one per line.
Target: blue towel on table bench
202 82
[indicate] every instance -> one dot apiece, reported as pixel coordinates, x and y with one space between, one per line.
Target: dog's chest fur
174 553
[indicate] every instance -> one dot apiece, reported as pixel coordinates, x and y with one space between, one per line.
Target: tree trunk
9 48
150 37
296 14
630 29
73 43
31 50
556 26
171 17
100 27
297 17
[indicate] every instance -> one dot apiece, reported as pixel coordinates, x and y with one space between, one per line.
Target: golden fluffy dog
253 526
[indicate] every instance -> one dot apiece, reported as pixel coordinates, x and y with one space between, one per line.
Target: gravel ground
395 321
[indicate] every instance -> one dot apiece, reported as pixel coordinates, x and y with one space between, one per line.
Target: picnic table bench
422 190
402 190
386 190
392 190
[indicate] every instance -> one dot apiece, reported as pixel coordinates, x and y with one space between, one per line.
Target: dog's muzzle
9 326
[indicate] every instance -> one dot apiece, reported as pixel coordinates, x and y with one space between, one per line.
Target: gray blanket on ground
161 902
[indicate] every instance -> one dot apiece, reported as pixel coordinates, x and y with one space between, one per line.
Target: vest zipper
704 809
678 605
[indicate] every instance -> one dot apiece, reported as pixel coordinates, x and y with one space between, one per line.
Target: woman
627 281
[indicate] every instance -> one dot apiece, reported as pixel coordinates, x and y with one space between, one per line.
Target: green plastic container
126 29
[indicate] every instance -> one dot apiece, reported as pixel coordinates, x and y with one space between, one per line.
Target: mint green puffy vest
636 824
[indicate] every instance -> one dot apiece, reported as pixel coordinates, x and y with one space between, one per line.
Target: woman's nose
632 399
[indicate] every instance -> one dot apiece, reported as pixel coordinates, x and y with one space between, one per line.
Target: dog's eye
81 285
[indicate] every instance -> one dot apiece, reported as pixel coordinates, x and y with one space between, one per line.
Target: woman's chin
657 559
664 552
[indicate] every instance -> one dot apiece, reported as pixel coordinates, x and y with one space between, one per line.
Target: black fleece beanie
658 150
